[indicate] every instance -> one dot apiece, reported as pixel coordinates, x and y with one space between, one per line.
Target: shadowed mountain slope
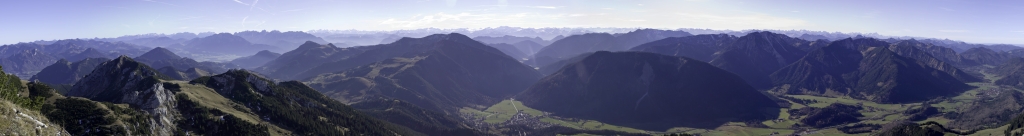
648 91
985 56
256 60
65 72
868 69
756 55
942 53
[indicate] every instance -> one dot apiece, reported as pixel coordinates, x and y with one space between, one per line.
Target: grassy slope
12 123
504 110
209 98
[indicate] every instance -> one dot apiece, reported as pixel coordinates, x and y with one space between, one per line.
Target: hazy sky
989 21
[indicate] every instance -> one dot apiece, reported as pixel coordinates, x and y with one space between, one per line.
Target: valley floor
509 112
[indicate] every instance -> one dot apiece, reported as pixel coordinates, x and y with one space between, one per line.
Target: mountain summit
158 53
256 60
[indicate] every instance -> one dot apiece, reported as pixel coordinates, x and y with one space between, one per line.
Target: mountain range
700 47
161 57
510 81
67 72
756 55
869 69
224 43
578 44
450 72
307 56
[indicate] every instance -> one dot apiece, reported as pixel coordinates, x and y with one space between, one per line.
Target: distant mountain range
66 72
578 44
26 59
700 47
283 41
256 60
27 63
511 40
162 57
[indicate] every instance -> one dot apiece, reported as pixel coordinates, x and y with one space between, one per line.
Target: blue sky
972 21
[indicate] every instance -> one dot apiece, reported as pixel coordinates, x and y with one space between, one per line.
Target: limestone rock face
124 80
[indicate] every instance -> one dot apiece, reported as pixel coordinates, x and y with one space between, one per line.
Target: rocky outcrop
124 80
